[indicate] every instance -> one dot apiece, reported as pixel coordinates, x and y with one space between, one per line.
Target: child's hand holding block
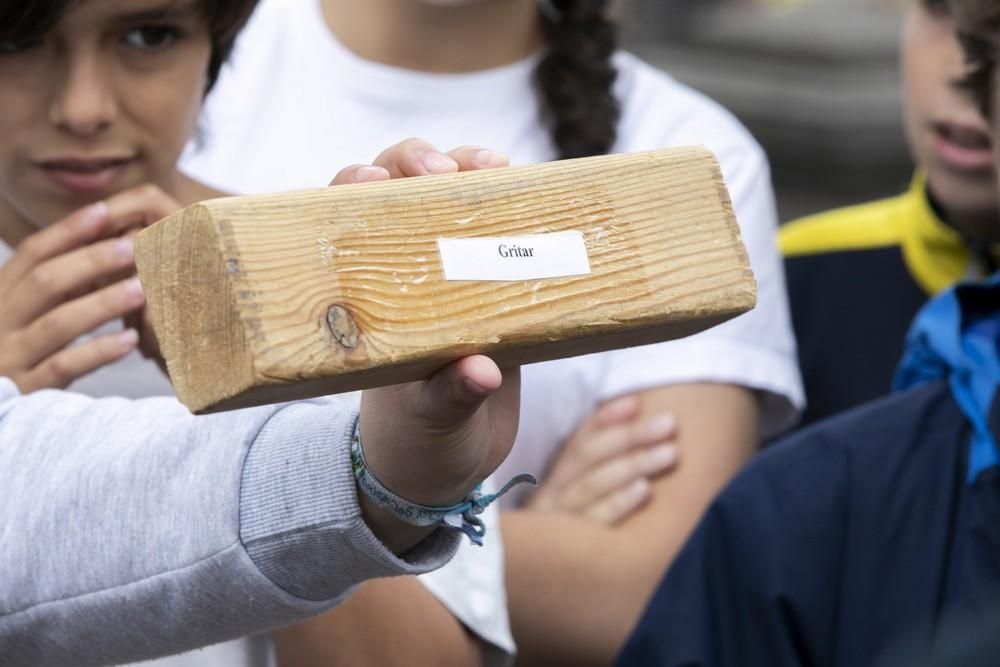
286 296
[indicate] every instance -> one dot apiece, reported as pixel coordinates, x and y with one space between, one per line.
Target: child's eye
152 38
11 47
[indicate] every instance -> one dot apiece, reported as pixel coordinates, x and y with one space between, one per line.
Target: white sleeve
755 350
471 586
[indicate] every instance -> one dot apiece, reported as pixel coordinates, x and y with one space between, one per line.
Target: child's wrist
413 472
462 514
397 536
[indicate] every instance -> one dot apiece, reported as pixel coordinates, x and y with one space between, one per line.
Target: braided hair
576 76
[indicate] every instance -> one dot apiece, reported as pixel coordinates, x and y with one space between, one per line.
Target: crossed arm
385 622
575 586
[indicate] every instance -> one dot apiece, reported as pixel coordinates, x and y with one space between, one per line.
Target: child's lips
85 175
963 147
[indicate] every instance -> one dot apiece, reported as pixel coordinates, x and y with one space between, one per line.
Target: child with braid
543 80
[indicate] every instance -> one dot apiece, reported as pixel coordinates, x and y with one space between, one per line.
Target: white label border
514 258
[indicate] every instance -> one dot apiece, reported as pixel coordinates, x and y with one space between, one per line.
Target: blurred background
816 81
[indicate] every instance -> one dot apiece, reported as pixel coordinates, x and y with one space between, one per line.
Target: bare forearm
576 587
571 601
385 622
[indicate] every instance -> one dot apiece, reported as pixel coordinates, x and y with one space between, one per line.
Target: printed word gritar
515 251
512 258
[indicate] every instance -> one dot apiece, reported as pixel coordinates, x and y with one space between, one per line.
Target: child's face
949 139
105 101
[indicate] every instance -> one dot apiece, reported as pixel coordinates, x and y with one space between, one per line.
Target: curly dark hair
576 76
978 23
24 21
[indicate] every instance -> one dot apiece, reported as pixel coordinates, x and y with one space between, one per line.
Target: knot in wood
342 326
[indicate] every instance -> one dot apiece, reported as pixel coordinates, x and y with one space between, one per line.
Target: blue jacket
857 535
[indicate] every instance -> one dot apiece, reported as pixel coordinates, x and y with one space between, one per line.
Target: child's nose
84 103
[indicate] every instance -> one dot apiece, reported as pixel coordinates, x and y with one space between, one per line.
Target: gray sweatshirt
132 529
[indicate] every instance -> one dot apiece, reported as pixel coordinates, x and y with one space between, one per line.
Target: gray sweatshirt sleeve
131 529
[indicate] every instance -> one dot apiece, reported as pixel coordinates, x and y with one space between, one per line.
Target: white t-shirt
297 106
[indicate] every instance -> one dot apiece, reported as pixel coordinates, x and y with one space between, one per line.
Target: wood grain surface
278 297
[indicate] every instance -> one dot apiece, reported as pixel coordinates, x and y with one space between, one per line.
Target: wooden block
279 297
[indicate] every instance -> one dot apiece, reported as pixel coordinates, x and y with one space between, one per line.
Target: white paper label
515 257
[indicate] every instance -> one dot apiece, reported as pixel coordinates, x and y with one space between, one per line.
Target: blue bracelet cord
475 504
463 516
